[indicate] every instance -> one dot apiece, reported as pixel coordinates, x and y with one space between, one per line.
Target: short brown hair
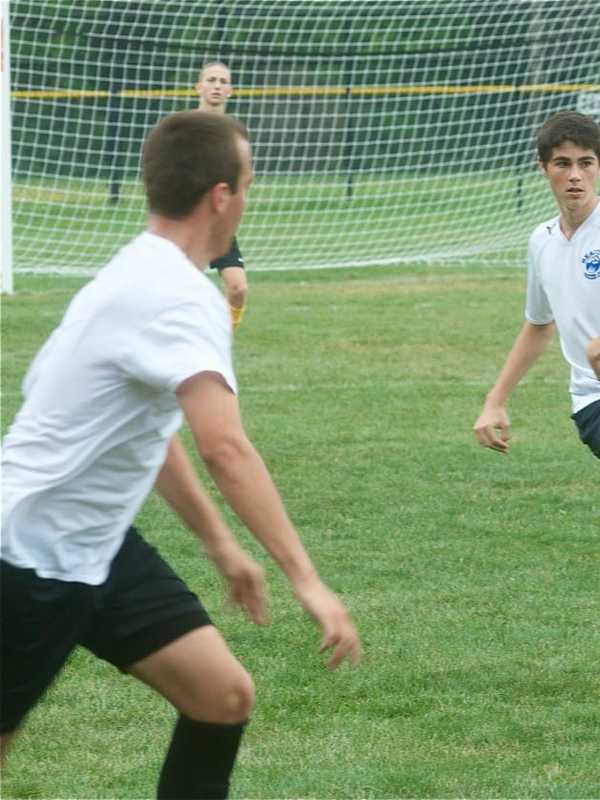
185 155
567 126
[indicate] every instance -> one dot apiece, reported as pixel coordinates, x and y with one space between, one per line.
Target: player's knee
237 294
231 702
236 285
239 699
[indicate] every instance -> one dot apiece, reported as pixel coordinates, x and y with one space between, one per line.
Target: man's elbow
223 452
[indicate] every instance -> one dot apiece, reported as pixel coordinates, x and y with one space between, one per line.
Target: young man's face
214 87
573 173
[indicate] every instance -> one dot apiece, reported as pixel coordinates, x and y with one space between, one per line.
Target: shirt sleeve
537 307
181 342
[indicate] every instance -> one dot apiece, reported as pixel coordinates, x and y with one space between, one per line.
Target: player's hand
339 633
245 578
492 428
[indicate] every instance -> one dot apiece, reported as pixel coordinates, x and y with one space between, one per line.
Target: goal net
384 131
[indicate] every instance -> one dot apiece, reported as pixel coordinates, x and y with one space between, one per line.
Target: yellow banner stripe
157 93
299 91
285 91
53 94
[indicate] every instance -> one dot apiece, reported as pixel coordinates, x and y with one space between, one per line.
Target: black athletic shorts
142 606
233 258
588 425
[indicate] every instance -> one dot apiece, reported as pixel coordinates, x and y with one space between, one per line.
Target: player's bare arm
178 484
593 354
492 427
212 412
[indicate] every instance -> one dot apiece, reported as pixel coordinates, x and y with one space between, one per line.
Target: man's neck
212 109
571 220
186 237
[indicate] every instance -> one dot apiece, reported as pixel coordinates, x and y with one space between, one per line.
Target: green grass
473 577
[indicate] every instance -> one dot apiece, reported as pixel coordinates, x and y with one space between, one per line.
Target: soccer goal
384 131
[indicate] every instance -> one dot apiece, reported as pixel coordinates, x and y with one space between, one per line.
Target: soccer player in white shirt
144 344
214 90
563 290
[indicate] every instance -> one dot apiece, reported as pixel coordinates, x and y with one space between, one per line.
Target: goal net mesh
383 132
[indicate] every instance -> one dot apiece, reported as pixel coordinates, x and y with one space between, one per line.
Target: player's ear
543 167
220 195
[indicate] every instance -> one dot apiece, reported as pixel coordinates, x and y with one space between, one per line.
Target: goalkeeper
214 90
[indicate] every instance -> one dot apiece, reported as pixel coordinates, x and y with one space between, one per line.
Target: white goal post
384 131
6 253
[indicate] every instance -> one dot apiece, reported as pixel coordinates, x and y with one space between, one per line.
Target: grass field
473 577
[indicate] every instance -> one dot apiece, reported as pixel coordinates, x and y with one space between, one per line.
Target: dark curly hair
568 126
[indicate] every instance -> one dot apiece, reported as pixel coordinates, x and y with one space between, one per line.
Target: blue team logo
591 264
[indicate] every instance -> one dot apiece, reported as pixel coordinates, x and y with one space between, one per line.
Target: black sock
199 761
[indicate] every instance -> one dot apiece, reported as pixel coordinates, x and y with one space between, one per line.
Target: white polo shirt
100 408
564 286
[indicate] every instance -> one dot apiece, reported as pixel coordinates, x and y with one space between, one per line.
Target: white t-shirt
100 408
564 286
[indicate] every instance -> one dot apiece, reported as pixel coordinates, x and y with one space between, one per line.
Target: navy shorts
233 258
588 425
142 606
